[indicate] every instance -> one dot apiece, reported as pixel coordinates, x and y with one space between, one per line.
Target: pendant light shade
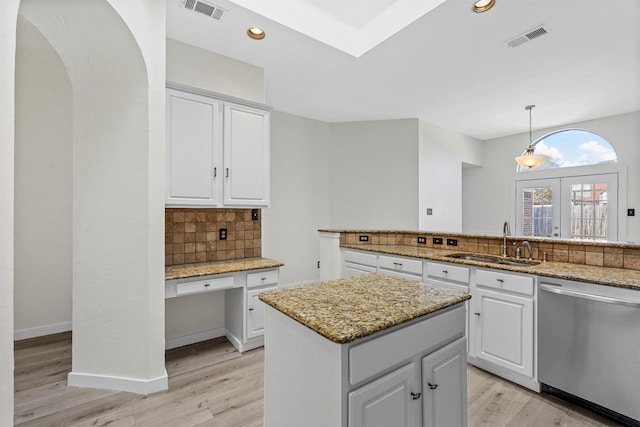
529 159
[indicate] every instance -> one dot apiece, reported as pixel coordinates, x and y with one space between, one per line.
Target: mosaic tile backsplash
193 235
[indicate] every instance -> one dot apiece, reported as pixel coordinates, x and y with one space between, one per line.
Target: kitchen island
365 351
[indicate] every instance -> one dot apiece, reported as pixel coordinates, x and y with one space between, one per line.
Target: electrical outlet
429 211
422 240
255 214
437 240
223 234
318 264
631 212
363 238
452 242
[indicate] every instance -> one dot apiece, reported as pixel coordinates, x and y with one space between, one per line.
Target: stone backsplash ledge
193 235
617 255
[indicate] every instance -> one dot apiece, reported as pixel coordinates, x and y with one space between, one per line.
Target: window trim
576 171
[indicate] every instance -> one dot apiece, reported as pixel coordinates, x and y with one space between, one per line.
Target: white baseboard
23 334
194 338
132 385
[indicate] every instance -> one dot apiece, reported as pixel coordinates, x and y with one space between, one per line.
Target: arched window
572 147
580 202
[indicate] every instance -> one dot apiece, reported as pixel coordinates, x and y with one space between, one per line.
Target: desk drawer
208 285
262 278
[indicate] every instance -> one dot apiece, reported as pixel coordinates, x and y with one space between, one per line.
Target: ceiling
353 60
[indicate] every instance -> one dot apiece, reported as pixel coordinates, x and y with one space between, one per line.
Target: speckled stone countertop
344 310
217 267
561 270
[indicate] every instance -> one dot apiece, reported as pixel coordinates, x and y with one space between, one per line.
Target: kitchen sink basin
494 259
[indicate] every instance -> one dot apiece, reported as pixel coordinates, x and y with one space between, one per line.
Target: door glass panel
589 211
537 211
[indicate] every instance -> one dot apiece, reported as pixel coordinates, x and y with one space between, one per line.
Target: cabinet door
502 326
255 313
246 156
444 385
194 132
387 401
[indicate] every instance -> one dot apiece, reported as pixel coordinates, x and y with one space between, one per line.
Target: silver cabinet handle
251 309
445 271
500 280
432 386
477 314
227 172
588 296
399 264
206 285
215 171
415 396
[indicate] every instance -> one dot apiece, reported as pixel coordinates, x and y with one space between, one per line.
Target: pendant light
529 159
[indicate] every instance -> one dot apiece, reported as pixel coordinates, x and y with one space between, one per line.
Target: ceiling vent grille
528 36
211 10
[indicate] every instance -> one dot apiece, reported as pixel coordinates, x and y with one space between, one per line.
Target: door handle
415 396
432 386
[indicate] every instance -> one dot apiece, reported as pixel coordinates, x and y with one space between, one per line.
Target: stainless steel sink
494 259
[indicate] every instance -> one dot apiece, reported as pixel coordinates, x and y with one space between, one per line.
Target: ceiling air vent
529 35
211 10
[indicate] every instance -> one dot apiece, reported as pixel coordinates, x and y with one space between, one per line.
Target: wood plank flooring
211 384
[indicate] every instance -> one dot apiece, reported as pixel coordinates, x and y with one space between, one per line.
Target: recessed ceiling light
257 33
483 5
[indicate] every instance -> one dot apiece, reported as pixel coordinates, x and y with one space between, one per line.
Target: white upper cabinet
194 149
246 156
217 152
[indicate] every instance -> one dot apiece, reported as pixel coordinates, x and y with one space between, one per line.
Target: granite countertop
344 310
620 277
217 267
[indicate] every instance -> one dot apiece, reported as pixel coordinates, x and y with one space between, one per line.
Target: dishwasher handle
588 296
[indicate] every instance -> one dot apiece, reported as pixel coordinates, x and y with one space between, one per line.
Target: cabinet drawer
405 265
504 281
360 258
450 272
391 349
263 278
207 285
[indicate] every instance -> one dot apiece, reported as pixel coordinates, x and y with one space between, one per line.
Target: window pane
537 211
589 211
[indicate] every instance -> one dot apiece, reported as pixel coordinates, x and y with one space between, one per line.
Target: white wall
118 191
443 153
198 68
8 23
373 175
487 190
299 195
43 192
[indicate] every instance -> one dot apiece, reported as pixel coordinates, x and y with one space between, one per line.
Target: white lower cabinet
244 312
388 401
444 385
430 394
502 328
357 263
377 381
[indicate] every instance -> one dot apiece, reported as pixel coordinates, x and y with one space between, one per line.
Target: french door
576 207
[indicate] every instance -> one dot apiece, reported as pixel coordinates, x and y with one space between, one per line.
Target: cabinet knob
415 396
432 386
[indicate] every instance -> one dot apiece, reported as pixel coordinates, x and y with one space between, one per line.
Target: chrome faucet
527 245
506 231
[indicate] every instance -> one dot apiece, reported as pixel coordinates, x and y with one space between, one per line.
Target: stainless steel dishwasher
589 346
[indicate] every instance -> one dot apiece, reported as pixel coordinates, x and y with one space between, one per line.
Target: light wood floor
211 384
